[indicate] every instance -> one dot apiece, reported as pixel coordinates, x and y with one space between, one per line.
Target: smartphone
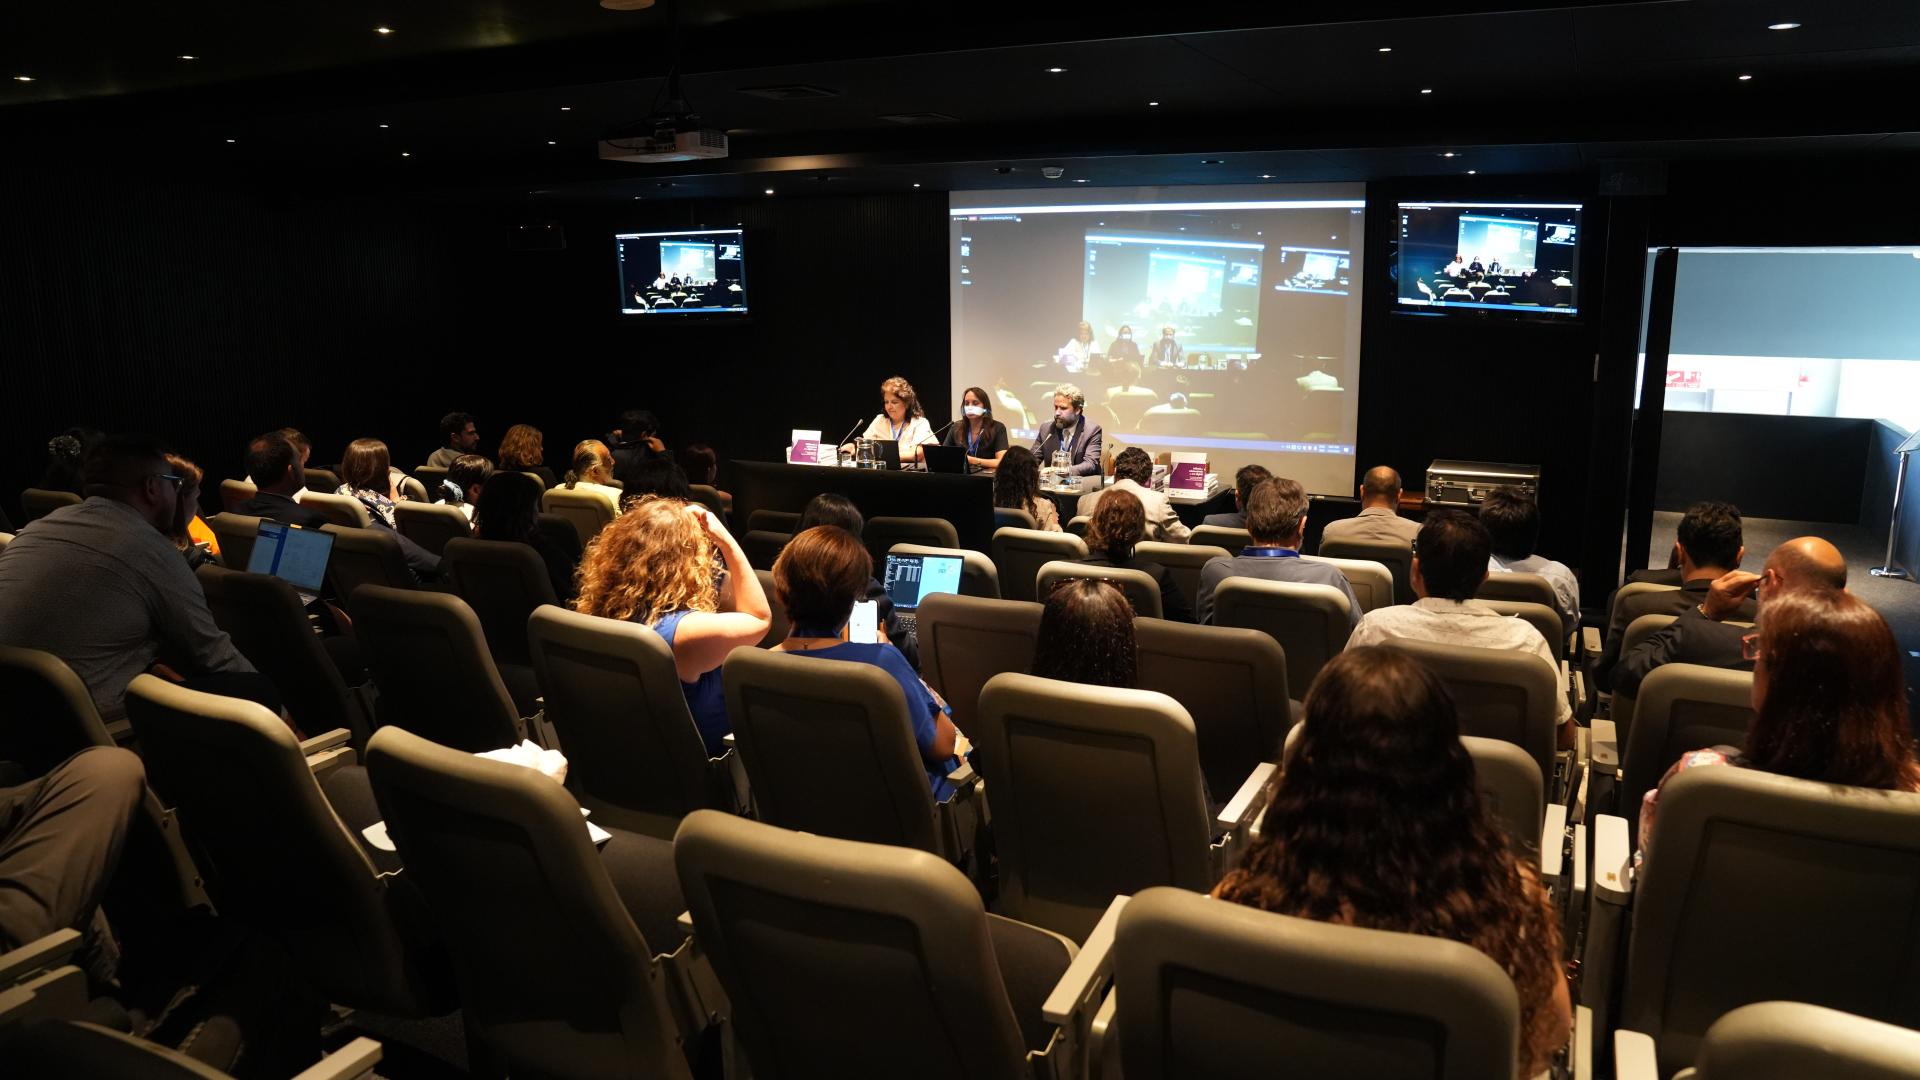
865 624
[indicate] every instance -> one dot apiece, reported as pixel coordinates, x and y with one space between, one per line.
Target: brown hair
1274 509
365 466
1376 821
1835 706
819 575
903 390
521 448
1086 635
649 562
592 464
1119 521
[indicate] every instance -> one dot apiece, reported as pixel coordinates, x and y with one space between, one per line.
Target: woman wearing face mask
1124 348
984 437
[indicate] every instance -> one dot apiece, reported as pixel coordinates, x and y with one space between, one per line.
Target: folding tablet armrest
1611 889
1634 1056
38 955
350 1062
325 741
1612 861
1606 745
964 780
1553 844
1580 1043
328 751
1590 641
1250 800
1085 979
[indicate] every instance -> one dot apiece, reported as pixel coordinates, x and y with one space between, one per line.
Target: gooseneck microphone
849 434
935 437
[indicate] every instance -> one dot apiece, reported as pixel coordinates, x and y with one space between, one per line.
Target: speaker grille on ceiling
792 92
920 118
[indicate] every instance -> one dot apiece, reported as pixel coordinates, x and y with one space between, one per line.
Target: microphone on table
848 435
935 437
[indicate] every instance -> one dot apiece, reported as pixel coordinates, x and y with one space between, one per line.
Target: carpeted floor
1898 600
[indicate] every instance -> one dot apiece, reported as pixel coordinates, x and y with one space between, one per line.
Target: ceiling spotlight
1056 71
1427 91
916 185
566 108
1449 153
23 78
1386 48
1472 172
406 153
1266 176
1153 104
385 125
186 56
1783 26
1746 78
383 31
769 191
553 142
233 140
1210 161
1079 181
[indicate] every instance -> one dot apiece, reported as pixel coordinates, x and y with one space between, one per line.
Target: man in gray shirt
462 438
1379 520
1277 518
100 586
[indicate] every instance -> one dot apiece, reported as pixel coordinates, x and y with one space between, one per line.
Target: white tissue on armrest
529 755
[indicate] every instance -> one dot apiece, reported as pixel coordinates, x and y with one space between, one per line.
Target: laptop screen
910 578
295 556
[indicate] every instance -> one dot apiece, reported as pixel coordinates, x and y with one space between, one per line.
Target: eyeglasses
1750 646
175 477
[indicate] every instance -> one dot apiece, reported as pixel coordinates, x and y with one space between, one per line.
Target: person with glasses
101 586
1829 700
1710 632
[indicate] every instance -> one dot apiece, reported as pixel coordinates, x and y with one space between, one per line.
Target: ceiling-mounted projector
665 145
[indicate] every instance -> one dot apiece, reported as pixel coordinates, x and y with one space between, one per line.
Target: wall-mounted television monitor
1512 258
698 272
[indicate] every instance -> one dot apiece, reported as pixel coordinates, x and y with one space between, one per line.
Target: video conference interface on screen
682 273
1516 257
1222 319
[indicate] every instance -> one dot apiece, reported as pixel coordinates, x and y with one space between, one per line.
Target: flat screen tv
1488 258
694 272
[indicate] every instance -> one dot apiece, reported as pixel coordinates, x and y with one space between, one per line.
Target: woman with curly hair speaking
673 567
1376 822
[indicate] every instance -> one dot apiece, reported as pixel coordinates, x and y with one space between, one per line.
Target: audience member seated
1016 486
1379 519
1707 546
592 471
509 509
1244 482
1086 635
301 443
367 474
1127 398
829 508
192 536
522 450
1376 821
1449 563
657 476
1276 514
61 836
66 454
984 437
1829 700
275 465
1118 524
638 436
1512 518
1133 471
100 586
461 436
466 475
1702 634
702 466
656 565
818 577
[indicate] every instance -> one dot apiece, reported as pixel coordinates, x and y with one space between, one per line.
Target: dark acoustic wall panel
1803 468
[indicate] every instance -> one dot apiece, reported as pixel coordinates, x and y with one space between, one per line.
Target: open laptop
294 555
889 452
912 578
946 459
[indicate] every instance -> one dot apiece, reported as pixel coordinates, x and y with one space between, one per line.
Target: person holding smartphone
819 576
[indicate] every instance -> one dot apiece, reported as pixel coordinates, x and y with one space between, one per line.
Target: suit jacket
1374 524
279 508
1173 603
444 457
1235 520
1692 639
1163 522
1083 448
1664 602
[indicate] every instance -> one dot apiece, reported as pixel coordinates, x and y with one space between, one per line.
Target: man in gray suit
1072 431
1133 471
1379 520
1277 518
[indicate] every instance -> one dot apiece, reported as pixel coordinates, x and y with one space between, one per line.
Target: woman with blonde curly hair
522 449
901 420
1376 822
673 567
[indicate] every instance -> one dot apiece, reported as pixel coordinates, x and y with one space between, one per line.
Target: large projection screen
1259 286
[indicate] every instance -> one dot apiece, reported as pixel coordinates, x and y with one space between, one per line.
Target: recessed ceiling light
1210 161
566 108
233 140
1153 104
1783 26
384 125
1449 153
23 78
1386 48
1746 78
769 191
1266 176
1473 172
1429 90
186 56
406 153
1056 71
1079 181
383 31
553 142
916 185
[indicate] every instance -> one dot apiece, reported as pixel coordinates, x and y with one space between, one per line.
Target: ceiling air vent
794 92
920 118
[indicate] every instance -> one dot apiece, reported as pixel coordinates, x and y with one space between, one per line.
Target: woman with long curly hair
1119 522
523 449
1086 635
675 568
1016 486
1376 822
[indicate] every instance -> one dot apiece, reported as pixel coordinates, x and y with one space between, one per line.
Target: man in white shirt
1449 563
1133 471
1512 519
1379 520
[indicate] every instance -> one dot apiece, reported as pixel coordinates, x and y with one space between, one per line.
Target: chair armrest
1634 1056
325 741
354 1060
38 955
685 922
1553 843
1612 860
1081 986
1580 1046
1606 745
1247 803
729 741
962 778
1580 878
1590 640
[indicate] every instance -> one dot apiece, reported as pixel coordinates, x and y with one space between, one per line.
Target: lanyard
1270 553
973 441
896 429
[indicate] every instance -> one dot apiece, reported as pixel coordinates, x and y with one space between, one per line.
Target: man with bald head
1703 633
1379 519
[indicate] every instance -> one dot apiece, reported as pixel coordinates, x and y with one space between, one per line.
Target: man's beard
1063 422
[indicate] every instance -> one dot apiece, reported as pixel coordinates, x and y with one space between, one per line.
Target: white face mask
1126 335
974 410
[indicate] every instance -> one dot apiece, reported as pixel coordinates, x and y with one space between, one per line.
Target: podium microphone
943 430
848 435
